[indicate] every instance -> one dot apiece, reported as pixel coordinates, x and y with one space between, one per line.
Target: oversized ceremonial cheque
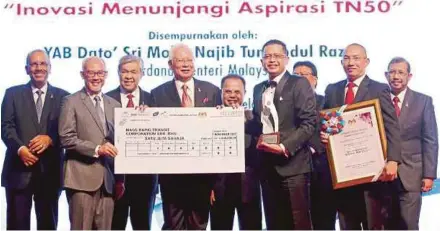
179 140
357 143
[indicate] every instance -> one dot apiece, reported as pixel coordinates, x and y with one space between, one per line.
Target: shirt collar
189 83
44 88
401 95
135 93
358 81
278 78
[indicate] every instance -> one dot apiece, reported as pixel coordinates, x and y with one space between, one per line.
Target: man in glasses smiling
87 132
285 107
32 164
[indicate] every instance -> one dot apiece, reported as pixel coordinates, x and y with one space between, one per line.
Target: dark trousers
367 206
287 202
19 204
248 212
322 198
185 202
137 202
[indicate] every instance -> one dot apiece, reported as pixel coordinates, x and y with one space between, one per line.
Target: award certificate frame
357 154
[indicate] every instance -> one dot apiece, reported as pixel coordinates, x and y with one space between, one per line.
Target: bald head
355 61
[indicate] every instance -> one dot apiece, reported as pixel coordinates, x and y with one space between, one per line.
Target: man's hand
427 184
107 149
212 197
119 190
272 148
39 144
324 137
389 172
141 107
27 157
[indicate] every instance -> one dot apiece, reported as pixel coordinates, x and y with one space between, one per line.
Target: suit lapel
406 104
142 100
47 107
259 100
277 96
30 103
340 94
173 93
362 90
89 105
118 95
108 111
199 95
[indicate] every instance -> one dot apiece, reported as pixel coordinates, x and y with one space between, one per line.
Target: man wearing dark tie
33 160
239 191
418 129
323 210
87 132
365 206
185 197
285 104
140 189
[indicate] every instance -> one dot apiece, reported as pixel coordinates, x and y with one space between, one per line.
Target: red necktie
130 100
396 105
349 97
186 100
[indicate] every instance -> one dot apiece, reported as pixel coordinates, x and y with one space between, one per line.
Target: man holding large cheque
367 204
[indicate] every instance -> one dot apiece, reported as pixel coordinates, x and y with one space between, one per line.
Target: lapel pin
281 98
51 96
198 89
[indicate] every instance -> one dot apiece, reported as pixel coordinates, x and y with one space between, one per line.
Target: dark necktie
100 112
130 100
349 97
39 104
396 105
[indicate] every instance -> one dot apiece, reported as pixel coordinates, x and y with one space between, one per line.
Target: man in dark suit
140 189
87 132
32 165
185 197
369 204
284 104
323 210
239 191
418 129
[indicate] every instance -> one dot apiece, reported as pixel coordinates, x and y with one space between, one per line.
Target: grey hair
130 59
28 57
400 60
176 46
86 60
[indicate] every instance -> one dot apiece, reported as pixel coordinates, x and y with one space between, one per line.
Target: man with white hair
185 197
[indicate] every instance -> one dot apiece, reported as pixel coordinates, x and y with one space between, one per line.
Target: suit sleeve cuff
18 151
96 151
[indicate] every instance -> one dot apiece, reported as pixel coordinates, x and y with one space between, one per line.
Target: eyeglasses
399 73
356 59
36 64
95 73
275 56
182 61
303 74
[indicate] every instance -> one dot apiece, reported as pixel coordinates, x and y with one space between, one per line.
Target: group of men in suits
39 121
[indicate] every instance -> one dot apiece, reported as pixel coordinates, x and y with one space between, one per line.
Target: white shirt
268 97
401 97
92 97
136 97
190 91
43 95
357 83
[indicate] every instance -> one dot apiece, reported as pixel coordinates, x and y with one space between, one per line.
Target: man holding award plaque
284 120
364 205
